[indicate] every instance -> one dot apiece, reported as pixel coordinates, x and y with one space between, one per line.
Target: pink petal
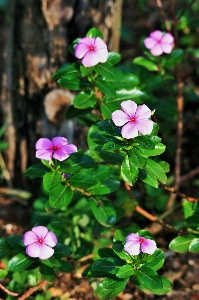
129 107
29 238
150 43
33 250
40 231
90 59
167 48
157 35
43 144
101 50
45 251
148 246
133 248
50 239
144 126
120 118
129 131
156 50
133 237
143 112
60 154
44 154
167 38
84 46
59 141
70 148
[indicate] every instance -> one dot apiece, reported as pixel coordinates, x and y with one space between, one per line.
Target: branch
167 25
182 195
33 289
7 291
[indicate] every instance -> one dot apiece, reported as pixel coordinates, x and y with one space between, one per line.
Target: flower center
91 48
40 241
54 148
133 119
141 240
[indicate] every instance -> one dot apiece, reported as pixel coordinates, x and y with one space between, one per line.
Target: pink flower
136 244
92 50
133 119
159 43
58 148
39 242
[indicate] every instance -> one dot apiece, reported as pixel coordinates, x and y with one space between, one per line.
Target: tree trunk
37 39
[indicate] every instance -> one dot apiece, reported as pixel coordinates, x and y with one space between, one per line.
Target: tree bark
37 39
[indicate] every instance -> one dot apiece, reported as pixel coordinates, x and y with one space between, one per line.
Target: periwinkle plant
86 195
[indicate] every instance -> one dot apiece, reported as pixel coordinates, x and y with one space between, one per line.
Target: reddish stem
7 291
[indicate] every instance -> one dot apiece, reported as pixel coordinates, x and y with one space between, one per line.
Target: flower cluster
133 119
135 244
159 43
92 51
39 242
58 148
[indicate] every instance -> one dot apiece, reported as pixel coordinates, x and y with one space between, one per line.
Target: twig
189 174
167 25
7 291
33 289
182 195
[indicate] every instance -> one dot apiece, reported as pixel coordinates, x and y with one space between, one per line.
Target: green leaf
47 272
55 227
62 250
159 149
118 248
75 84
128 82
109 72
149 278
82 180
175 57
94 33
181 244
129 171
113 58
111 287
103 211
104 266
108 186
76 162
36 171
60 196
85 99
136 158
51 180
144 142
20 262
124 94
85 71
194 245
62 265
146 63
153 173
105 87
156 260
125 271
69 71
101 172
16 242
3 273
5 249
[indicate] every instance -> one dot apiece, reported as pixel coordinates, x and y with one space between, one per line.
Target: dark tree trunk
36 46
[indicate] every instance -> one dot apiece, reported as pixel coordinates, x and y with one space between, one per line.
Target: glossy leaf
5 249
109 72
113 58
47 272
62 250
55 227
175 57
129 171
103 211
108 186
94 33
16 242
125 271
146 63
69 71
128 82
82 181
181 244
105 87
84 100
20 262
75 84
60 196
51 180
35 171
149 278
62 265
3 273
194 245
